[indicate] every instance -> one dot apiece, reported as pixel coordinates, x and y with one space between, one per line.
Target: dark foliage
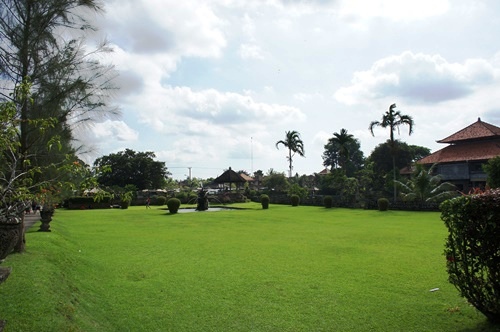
492 169
328 201
295 200
383 204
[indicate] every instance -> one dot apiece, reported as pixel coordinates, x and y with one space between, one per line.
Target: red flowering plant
48 198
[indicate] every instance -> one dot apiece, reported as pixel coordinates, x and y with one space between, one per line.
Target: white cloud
164 29
192 88
248 51
118 130
417 78
181 106
396 10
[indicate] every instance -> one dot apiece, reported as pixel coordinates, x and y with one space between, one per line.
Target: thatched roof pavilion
230 177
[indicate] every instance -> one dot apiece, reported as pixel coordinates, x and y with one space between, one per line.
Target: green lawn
282 269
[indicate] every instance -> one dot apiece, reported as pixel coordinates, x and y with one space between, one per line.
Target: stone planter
10 234
45 218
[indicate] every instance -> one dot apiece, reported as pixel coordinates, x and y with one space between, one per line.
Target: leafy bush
192 197
295 199
182 196
86 202
264 200
173 205
125 199
473 249
383 204
160 200
328 201
295 189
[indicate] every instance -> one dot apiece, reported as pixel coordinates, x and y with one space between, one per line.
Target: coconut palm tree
342 140
426 187
294 145
392 119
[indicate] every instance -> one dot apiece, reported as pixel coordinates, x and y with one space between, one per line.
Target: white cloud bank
418 78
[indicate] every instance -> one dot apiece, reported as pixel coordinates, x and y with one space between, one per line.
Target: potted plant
48 200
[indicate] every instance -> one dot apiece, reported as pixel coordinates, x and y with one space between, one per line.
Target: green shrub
160 200
383 204
473 249
86 202
295 199
328 201
264 200
173 205
192 197
182 196
125 199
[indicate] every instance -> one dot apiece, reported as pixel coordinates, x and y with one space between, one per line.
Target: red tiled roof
476 130
466 151
324 171
246 177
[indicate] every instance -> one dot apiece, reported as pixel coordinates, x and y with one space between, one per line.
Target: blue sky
215 84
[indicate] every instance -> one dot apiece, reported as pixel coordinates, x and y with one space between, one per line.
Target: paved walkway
31 219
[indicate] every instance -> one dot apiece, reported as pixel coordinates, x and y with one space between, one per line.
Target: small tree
473 250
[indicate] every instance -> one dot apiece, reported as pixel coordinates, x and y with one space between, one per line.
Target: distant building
461 161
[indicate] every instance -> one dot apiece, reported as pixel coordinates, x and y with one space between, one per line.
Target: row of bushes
328 201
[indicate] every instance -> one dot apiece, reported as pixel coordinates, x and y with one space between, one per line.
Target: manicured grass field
282 269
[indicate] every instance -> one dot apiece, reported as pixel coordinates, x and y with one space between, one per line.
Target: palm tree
392 119
342 140
426 187
294 145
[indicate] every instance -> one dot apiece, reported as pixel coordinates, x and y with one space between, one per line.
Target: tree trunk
21 242
394 174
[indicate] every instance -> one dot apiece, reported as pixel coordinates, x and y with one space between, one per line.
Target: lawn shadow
484 326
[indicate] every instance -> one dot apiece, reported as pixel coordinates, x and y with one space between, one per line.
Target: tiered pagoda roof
479 141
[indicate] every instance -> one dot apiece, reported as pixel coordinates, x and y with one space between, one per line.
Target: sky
212 84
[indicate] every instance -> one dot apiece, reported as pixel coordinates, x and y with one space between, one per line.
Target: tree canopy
383 162
43 42
130 167
343 151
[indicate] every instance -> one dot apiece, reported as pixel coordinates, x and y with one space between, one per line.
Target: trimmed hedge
264 200
86 202
295 200
160 200
472 249
328 202
383 204
173 205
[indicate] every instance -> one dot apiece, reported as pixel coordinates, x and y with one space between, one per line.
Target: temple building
468 149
